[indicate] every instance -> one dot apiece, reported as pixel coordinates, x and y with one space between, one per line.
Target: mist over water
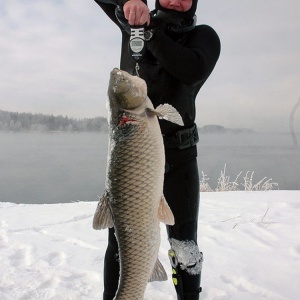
52 168
67 167
270 155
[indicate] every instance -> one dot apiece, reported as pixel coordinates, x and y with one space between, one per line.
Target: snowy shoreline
250 241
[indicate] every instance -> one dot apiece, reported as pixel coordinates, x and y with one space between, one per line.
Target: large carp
133 200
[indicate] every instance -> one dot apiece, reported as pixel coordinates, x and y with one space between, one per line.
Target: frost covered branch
225 184
204 186
262 185
262 219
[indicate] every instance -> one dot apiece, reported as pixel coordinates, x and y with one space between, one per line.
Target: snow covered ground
250 241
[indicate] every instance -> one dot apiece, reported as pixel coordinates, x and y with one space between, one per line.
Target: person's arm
135 11
109 6
112 2
192 63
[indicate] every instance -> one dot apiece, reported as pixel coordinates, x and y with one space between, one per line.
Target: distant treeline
212 129
14 121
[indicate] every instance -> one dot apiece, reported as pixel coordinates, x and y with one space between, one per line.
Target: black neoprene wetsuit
175 67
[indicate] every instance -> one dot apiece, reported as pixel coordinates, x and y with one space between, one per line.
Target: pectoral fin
167 112
103 216
165 214
159 273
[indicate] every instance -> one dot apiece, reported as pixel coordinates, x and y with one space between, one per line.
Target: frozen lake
67 167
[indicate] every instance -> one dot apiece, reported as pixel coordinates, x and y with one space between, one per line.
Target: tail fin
159 273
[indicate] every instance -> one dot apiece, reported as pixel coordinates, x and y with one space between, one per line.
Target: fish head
127 91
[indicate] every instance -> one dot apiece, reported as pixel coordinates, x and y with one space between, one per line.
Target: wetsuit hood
178 21
187 15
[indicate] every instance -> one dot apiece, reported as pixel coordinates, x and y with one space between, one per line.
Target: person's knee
188 256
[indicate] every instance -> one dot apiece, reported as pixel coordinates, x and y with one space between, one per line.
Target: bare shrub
225 184
262 185
204 186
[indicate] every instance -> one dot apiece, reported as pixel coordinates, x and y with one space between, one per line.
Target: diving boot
176 277
187 286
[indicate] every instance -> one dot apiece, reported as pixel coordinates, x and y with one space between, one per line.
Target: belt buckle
191 140
183 143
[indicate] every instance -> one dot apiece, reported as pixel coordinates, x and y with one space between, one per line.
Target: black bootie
187 286
108 296
191 286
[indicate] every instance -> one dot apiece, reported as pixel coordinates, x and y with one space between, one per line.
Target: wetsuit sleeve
109 6
191 63
112 2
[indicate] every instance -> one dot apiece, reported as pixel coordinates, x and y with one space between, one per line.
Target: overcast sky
56 55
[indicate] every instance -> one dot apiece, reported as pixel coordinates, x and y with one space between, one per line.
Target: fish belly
135 185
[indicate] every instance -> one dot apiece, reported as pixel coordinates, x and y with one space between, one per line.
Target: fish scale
133 201
137 183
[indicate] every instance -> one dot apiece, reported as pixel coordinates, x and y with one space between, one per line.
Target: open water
66 167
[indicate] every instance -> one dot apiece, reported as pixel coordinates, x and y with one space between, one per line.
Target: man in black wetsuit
179 58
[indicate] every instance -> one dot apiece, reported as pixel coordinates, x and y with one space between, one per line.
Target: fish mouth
115 70
117 75
127 92
121 84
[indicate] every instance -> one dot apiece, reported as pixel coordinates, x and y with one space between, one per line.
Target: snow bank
250 240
